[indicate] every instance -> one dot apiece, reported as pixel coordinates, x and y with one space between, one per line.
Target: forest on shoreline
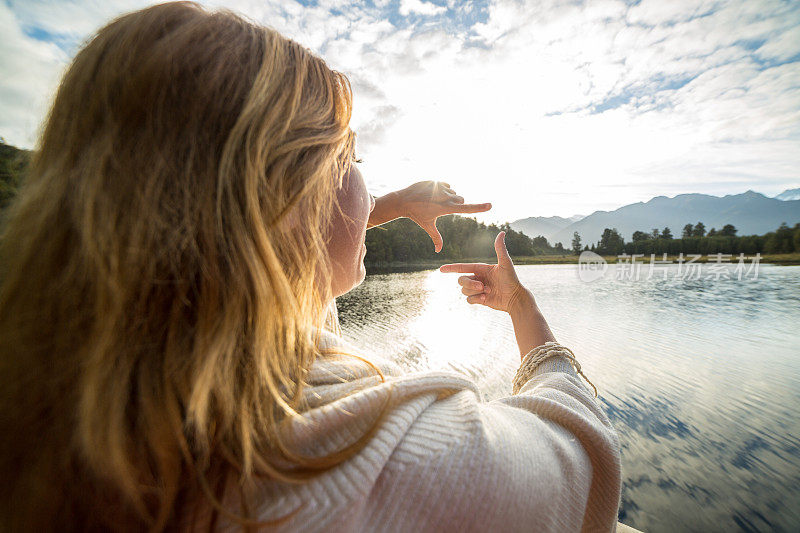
696 240
401 244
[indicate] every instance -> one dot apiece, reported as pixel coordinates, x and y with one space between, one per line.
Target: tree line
694 240
12 164
402 241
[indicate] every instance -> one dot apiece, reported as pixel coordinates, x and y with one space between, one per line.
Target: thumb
431 229
500 249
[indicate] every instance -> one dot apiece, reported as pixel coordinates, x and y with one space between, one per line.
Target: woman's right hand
496 286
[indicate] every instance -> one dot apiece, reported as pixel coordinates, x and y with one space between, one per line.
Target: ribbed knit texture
545 459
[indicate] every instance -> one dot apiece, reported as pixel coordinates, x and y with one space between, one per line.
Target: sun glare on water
456 335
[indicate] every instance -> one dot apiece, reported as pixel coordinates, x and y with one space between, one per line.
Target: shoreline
432 264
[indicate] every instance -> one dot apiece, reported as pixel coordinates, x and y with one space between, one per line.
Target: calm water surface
700 377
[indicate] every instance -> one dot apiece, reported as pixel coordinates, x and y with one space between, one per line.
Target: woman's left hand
423 202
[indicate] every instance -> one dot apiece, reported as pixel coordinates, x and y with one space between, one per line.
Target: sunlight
452 331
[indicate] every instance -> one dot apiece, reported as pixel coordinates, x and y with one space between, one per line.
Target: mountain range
547 226
751 212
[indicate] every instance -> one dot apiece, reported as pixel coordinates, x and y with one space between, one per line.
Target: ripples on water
701 378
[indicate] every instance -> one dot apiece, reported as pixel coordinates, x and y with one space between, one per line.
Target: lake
700 377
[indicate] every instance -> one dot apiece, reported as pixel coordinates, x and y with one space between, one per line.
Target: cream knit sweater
545 459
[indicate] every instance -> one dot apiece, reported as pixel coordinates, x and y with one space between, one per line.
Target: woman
190 213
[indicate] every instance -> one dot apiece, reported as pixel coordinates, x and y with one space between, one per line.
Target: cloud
29 69
657 13
69 21
420 6
534 106
781 47
366 88
374 130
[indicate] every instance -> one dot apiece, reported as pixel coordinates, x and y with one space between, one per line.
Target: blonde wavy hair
163 271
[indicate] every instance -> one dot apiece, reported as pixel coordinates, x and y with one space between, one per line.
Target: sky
542 108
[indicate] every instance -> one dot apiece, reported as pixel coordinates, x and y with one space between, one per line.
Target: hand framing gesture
496 286
423 202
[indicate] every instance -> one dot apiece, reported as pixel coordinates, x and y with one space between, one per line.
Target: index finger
464 268
471 208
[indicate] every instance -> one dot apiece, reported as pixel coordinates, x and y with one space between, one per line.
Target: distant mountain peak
545 226
657 198
789 194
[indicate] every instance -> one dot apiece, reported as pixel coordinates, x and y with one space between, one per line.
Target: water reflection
700 377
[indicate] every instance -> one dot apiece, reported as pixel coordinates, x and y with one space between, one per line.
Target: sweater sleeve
545 459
